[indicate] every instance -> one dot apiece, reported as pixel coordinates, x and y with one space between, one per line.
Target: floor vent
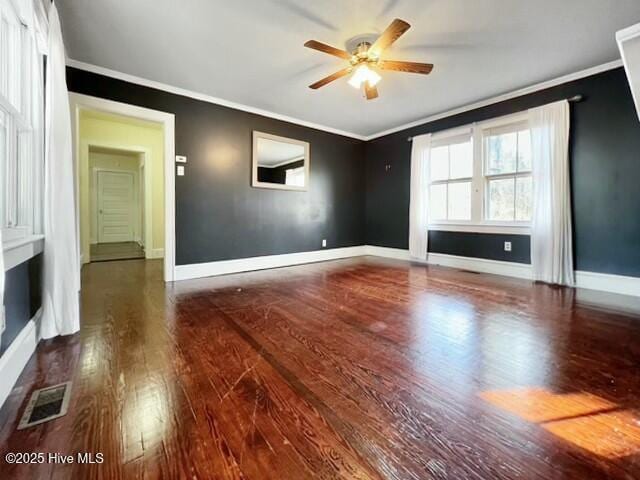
46 404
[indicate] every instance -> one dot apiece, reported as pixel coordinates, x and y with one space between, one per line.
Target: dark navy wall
605 173
481 245
219 216
22 297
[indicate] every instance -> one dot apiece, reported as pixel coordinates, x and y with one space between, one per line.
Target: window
451 173
507 162
21 132
295 176
480 176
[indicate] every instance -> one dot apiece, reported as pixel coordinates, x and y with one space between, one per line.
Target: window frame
510 124
479 222
21 174
295 171
448 138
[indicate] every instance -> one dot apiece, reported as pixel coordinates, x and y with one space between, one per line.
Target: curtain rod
574 99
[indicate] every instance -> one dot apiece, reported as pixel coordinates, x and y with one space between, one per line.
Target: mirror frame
254 168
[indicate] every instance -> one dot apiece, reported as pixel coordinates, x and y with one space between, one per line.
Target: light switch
181 159
181 170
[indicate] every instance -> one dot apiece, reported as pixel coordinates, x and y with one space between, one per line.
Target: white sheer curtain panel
551 231
419 200
61 314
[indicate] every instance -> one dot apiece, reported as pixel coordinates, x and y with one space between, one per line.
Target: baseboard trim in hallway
106 252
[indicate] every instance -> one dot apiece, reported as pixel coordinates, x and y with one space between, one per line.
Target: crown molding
628 33
503 97
265 113
622 37
205 98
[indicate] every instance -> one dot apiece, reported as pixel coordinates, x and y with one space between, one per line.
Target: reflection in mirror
280 162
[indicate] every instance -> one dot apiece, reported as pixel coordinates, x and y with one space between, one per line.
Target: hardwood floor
359 369
106 252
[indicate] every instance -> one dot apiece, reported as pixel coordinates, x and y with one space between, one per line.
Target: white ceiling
272 153
251 51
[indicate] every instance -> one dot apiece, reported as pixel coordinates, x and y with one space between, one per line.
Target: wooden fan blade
331 78
371 92
323 47
411 67
390 35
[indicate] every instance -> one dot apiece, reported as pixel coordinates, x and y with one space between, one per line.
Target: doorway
125 181
116 205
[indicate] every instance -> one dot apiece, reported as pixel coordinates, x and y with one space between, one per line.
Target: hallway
105 252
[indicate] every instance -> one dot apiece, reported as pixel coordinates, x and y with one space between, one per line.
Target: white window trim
478 224
20 204
18 251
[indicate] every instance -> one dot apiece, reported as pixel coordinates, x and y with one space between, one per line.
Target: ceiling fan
365 60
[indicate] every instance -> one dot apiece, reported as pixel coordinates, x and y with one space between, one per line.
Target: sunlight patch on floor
612 435
539 405
583 419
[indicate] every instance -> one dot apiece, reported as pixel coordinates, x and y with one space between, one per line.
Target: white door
116 207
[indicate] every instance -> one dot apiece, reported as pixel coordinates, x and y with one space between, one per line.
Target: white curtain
419 191
61 314
551 243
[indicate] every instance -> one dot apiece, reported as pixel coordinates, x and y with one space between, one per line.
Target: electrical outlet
180 171
507 246
324 242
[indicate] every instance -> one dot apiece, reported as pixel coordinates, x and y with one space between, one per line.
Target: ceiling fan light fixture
363 74
367 55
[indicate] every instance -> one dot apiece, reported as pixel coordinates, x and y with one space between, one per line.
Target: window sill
21 250
503 229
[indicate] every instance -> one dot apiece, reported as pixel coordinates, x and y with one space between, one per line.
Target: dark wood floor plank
383 402
361 368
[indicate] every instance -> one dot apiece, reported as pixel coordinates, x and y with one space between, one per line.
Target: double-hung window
295 176
480 177
451 175
21 126
507 173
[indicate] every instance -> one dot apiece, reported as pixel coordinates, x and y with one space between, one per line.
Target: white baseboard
608 283
210 269
496 267
17 355
387 252
590 280
154 253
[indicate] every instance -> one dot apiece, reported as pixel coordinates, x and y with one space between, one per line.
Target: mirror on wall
280 162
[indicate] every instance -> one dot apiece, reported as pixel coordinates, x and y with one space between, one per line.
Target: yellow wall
122 133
